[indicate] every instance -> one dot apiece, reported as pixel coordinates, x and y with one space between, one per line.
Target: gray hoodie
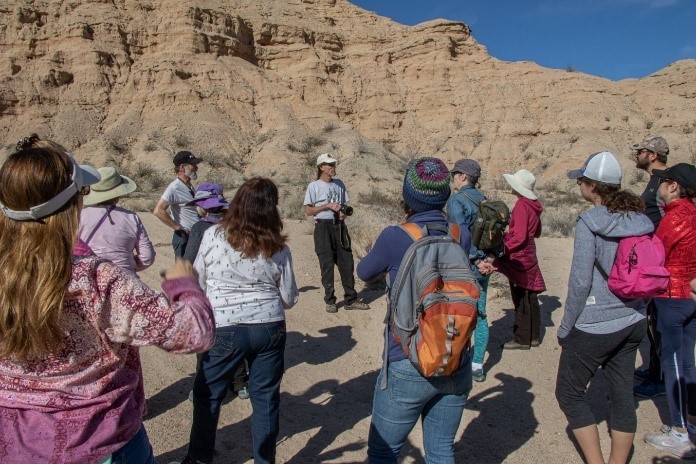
590 305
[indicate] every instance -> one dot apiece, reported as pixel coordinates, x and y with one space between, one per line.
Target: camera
347 210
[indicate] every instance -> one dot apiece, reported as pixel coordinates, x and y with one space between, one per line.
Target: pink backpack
639 268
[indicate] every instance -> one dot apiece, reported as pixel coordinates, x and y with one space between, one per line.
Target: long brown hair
35 256
252 224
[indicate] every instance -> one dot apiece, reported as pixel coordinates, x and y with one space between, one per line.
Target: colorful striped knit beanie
426 184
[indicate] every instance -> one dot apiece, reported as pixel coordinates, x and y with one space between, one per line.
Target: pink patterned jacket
86 401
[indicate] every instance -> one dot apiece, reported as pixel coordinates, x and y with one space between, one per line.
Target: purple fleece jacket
388 251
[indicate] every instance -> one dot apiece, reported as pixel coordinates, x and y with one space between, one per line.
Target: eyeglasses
85 190
664 179
329 164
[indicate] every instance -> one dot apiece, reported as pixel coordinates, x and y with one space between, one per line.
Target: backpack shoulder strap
414 231
463 192
456 232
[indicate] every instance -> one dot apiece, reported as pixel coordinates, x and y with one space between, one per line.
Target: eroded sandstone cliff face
262 86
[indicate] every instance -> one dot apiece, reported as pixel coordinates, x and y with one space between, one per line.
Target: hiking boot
666 441
357 304
649 390
513 345
243 394
535 343
478 375
642 374
331 308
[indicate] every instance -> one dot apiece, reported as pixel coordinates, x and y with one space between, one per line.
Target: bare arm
313 210
160 212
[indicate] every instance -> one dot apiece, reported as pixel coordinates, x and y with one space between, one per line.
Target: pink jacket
520 263
86 401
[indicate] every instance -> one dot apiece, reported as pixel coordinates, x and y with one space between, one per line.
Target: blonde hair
35 256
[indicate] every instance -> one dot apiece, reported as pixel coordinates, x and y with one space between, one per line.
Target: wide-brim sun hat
112 185
522 182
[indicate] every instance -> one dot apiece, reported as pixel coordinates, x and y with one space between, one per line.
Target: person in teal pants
462 208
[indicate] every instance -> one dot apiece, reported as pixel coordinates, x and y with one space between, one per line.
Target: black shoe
649 390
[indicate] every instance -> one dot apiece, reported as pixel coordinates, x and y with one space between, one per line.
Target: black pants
179 241
527 315
582 354
332 245
654 367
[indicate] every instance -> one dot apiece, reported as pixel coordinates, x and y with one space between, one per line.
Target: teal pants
481 331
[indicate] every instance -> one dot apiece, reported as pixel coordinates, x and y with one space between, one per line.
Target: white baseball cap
601 166
325 158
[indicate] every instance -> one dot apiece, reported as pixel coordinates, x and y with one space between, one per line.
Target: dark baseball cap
185 157
467 166
683 174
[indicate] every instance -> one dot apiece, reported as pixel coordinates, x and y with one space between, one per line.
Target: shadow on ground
305 348
504 410
329 406
328 409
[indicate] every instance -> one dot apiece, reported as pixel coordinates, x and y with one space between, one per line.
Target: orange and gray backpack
432 301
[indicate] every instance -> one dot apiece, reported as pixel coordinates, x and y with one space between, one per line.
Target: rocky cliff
262 86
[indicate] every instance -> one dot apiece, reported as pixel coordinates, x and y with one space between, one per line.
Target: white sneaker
666 441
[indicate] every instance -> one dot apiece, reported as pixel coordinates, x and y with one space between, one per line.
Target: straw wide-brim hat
522 182
112 185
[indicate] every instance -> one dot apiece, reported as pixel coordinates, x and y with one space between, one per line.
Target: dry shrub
140 203
559 222
146 176
291 200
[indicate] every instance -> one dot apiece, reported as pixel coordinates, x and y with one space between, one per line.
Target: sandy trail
332 362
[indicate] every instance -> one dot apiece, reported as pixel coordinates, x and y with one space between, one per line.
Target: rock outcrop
261 87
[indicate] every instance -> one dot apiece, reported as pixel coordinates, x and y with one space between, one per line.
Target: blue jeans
676 324
438 402
481 331
263 346
137 451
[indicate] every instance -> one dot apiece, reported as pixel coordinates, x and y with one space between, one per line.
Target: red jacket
520 263
677 230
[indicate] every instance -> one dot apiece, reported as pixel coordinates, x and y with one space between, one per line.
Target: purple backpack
639 268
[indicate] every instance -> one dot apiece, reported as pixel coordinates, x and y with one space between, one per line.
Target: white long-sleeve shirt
244 290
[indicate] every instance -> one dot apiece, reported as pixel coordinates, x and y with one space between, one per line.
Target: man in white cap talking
325 200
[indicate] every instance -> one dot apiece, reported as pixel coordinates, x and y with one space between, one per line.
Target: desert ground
332 361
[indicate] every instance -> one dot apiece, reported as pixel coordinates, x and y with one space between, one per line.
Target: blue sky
615 39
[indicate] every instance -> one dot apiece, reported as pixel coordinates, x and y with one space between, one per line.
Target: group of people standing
601 330
73 311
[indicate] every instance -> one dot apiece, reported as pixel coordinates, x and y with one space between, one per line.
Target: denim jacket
462 209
